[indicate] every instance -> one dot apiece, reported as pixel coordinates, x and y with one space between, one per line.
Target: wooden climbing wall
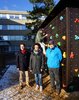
64 29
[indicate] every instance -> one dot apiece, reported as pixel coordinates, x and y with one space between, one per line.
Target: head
41 30
36 47
44 33
51 43
22 46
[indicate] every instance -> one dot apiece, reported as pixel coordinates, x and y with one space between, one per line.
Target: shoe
20 87
28 85
41 88
37 87
57 92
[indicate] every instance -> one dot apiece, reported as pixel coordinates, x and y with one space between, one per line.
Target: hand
30 70
41 70
46 35
17 69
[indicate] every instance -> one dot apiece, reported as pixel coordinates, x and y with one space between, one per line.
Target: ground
9 88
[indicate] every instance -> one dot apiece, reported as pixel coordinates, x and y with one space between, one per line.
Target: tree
41 9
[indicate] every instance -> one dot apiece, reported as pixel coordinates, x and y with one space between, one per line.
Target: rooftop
13 12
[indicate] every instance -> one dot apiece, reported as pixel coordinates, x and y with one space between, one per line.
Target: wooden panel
64 29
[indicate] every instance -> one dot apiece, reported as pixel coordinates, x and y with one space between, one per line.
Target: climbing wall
74 42
64 29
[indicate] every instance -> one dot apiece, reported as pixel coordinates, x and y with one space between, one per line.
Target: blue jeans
38 79
54 77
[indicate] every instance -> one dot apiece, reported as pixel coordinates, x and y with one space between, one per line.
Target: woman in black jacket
37 65
23 64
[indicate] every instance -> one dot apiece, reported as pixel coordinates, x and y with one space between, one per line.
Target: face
43 33
36 47
22 47
51 46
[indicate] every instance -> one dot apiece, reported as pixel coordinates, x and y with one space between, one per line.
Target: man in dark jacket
23 64
37 65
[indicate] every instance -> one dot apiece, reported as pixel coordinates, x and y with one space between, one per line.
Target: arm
30 63
42 66
42 37
17 60
28 58
38 37
59 54
47 52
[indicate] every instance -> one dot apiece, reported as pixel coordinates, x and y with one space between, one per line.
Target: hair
41 29
37 45
23 44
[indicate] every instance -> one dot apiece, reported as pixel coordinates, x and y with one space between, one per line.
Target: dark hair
23 44
36 44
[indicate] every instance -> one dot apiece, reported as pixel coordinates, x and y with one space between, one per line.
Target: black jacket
36 62
22 61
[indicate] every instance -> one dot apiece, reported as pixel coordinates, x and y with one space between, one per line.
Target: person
40 36
54 57
22 64
37 66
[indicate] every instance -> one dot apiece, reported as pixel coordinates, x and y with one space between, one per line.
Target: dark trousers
54 78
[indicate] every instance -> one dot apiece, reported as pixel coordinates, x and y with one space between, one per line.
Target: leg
56 72
40 79
40 82
21 78
52 78
37 81
27 78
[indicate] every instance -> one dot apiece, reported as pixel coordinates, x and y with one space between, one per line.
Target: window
4 27
11 17
0 27
4 16
0 15
23 27
13 27
16 16
13 38
23 16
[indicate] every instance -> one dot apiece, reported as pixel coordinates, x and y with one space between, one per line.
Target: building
13 31
62 25
13 28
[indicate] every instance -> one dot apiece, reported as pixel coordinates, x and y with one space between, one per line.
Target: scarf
36 52
23 51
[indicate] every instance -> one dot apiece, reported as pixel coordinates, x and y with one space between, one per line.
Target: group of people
34 63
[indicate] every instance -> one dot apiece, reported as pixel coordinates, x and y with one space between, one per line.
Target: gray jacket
36 62
39 37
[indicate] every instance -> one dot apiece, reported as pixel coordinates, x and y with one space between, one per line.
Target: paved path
9 88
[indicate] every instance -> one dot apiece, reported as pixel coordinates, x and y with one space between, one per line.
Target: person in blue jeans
54 57
37 65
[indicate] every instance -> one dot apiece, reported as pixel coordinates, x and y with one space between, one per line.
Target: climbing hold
64 54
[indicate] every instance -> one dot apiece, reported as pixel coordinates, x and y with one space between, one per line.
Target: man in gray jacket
40 37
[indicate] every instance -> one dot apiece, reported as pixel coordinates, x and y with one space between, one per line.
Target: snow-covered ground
10 78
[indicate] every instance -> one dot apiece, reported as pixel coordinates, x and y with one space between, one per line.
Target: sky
19 5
